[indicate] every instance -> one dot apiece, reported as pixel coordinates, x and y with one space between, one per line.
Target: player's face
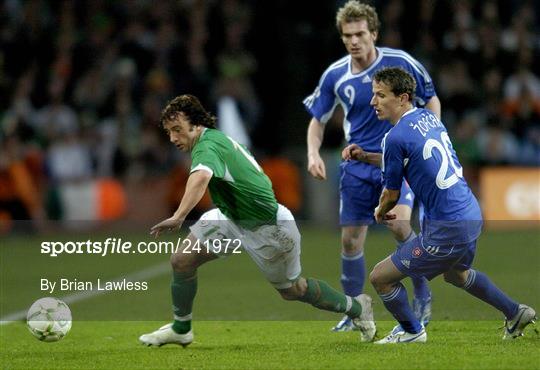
358 40
182 133
387 105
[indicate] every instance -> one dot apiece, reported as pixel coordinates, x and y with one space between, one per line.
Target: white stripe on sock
184 318
470 279
393 294
349 304
353 257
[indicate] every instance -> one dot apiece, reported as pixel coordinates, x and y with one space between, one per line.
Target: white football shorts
274 248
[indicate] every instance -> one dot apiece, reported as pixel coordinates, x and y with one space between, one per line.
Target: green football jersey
239 187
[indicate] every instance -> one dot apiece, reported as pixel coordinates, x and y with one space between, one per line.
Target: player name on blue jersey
426 122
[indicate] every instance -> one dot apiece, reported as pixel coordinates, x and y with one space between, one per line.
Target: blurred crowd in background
83 83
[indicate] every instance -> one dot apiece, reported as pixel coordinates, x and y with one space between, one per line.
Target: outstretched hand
170 224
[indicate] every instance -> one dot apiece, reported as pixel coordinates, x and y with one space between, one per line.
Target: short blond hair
353 11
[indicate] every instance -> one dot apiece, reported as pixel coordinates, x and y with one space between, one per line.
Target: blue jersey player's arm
355 152
392 170
425 90
315 136
434 105
320 105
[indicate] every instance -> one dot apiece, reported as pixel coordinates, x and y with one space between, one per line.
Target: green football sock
321 295
183 290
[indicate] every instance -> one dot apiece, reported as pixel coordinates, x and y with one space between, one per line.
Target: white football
49 319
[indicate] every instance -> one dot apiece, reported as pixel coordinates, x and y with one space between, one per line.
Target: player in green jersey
247 218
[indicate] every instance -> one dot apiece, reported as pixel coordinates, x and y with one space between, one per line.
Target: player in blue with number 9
419 150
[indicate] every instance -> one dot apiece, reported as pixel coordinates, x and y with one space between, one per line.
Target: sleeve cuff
202 167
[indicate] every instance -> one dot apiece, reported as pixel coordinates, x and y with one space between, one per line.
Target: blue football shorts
358 198
417 259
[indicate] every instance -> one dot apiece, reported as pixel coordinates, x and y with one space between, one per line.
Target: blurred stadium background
83 82
82 86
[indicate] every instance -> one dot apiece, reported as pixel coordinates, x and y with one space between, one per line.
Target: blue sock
421 288
397 303
479 285
353 274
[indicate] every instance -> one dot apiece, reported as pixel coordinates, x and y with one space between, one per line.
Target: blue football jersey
338 85
419 149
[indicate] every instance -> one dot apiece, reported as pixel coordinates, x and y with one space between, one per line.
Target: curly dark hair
399 80
191 107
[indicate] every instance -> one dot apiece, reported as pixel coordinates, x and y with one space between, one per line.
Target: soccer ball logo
49 319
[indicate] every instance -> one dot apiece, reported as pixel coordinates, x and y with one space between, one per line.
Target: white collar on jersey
202 134
370 67
406 113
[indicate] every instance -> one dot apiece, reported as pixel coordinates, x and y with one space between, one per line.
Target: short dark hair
191 107
399 80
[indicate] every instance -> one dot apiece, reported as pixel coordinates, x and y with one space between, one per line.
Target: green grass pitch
241 323
267 345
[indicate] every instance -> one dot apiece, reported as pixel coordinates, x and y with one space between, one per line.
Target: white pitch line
144 274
